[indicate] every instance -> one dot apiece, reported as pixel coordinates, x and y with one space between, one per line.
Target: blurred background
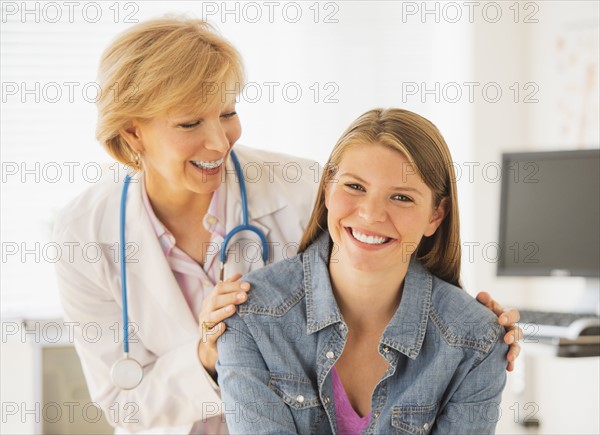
494 77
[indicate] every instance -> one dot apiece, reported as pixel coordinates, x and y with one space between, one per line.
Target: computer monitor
550 214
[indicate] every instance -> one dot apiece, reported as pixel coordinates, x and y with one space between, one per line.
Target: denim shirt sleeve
474 408
249 404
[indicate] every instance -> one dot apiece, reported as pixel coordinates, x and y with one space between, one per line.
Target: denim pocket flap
414 419
296 391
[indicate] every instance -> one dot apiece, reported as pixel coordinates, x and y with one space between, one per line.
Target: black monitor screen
550 214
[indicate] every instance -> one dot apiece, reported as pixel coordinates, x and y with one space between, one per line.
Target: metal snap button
300 398
326 400
212 220
426 426
329 355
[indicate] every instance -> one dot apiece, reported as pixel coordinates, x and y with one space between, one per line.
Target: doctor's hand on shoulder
507 317
218 306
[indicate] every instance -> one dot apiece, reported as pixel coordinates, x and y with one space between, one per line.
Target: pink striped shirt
195 281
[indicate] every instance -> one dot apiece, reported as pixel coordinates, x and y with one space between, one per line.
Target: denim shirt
445 352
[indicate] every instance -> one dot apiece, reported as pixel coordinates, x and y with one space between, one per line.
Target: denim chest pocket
296 391
302 397
413 419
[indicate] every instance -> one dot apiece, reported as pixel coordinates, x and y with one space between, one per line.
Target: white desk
43 388
563 394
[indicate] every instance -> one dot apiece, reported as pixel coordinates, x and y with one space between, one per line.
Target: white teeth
208 165
371 240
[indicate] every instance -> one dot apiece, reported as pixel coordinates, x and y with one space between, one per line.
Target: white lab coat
175 391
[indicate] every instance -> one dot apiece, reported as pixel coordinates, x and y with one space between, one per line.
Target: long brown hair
422 144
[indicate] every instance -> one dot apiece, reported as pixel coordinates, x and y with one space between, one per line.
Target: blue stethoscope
127 373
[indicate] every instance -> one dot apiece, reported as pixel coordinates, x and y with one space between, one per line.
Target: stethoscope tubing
123 265
245 226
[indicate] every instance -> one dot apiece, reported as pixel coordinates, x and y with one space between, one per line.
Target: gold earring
138 161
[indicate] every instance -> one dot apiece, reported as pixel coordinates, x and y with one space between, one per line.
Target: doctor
167 109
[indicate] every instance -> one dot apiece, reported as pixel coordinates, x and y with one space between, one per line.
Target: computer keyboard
546 324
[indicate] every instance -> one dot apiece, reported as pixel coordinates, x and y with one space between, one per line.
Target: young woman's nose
371 209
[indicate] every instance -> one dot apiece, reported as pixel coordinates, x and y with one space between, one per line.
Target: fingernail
511 339
229 309
504 319
241 296
245 286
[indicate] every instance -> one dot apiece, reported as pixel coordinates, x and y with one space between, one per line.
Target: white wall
528 54
563 393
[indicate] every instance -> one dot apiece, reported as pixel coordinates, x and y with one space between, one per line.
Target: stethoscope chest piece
126 373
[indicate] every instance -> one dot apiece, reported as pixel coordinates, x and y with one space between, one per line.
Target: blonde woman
168 110
368 330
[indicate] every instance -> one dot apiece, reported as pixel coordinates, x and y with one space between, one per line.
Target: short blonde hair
422 144
160 65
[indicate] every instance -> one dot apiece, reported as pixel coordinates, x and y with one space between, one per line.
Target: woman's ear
437 217
132 134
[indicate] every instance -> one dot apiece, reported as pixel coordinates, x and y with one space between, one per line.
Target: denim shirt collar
406 330
321 307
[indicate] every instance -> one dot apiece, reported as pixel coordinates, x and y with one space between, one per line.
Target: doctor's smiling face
186 149
379 209
176 110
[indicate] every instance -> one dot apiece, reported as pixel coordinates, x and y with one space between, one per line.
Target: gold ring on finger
206 326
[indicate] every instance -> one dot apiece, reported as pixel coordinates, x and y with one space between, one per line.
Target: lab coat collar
262 200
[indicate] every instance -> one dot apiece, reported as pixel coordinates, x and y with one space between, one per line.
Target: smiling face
378 208
185 151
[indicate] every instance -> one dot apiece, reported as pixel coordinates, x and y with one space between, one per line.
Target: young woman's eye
402 198
229 115
354 186
190 125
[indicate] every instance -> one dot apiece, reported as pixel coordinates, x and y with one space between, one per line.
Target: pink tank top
348 421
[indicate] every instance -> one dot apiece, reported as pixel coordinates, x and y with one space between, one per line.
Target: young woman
367 330
168 111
